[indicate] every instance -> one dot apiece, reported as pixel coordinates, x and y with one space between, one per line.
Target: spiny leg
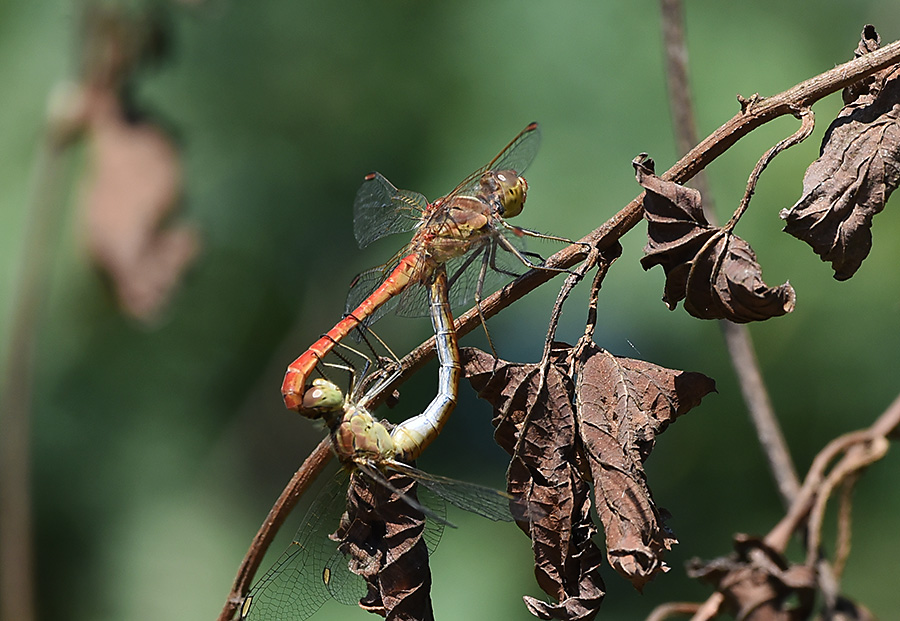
487 258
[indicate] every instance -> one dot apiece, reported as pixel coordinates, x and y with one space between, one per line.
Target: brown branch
844 524
710 608
869 449
677 77
670 609
299 483
759 405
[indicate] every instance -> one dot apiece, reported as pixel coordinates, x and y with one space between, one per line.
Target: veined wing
381 209
412 302
489 265
484 501
517 156
312 569
294 587
464 274
371 471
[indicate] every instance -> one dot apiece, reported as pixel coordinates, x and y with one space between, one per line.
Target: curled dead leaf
758 583
133 183
713 270
133 186
623 405
382 536
544 472
858 169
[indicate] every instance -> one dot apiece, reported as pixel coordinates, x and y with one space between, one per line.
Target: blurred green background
158 451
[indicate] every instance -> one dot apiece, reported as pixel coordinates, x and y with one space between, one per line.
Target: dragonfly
410 438
313 570
464 232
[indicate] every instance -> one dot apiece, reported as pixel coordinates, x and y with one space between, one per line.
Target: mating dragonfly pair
462 240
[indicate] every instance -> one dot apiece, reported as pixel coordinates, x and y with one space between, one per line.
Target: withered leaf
382 536
601 424
713 270
623 404
847 610
134 185
857 170
544 472
758 583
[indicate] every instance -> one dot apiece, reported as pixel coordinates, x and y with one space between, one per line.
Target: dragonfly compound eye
512 190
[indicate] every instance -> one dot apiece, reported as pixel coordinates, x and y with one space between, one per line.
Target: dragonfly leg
524 259
461 269
487 259
533 255
520 231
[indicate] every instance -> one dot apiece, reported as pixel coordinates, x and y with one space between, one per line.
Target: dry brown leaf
133 186
623 404
714 271
544 473
847 610
602 425
382 536
758 583
857 171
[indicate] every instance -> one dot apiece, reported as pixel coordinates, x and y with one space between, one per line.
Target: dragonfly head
508 190
322 398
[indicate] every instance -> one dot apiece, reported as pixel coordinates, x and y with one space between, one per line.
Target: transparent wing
488 267
372 472
294 587
484 501
381 209
411 302
517 156
434 529
365 284
343 585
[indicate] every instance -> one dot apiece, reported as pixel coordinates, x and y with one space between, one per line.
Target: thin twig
677 77
670 609
759 405
796 516
807 124
42 229
844 524
571 281
859 455
710 608
737 337
606 260
299 483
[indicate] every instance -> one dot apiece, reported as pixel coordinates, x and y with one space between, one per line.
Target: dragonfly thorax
505 190
359 437
454 230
